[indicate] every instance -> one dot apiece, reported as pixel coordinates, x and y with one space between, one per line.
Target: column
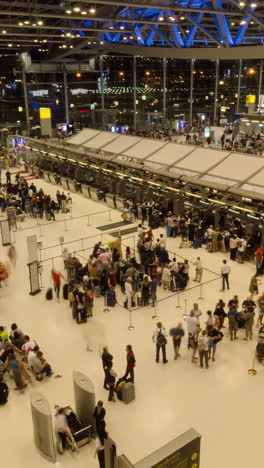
135 92
66 98
101 67
238 86
24 78
260 80
216 89
191 90
164 88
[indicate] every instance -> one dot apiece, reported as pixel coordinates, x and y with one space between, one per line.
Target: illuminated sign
45 113
251 99
79 91
40 92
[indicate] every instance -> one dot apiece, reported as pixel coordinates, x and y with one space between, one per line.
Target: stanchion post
130 326
178 306
201 298
185 306
65 225
14 240
88 220
155 311
109 215
52 262
40 231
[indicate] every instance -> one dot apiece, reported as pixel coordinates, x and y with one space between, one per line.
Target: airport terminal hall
131 233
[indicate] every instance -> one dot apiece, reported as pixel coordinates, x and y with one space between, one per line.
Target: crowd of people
19 199
20 359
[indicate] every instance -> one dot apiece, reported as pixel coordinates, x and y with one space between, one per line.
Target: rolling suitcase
128 392
65 291
49 294
197 243
110 298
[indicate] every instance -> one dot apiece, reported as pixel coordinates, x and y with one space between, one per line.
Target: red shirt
131 361
56 278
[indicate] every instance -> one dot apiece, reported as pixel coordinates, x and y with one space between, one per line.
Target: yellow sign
45 113
251 99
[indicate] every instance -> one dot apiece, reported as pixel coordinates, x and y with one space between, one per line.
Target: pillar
216 89
164 88
24 77
191 90
260 80
238 86
135 92
101 67
66 98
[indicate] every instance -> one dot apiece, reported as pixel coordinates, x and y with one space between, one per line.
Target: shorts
212 345
233 326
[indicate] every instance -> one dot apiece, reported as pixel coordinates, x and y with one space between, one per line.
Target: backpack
161 340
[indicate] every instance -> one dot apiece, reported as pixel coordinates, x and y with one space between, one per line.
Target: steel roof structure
69 30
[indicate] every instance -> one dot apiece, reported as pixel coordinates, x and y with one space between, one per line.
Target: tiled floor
223 403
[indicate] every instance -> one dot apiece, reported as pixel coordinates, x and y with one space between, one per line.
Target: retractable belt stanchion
201 293
130 326
178 306
106 309
88 220
155 310
109 215
65 225
185 306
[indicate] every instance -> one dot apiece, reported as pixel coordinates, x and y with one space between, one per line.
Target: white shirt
243 245
192 323
198 265
166 275
61 423
29 345
34 362
233 243
203 342
174 267
159 330
128 289
225 269
210 233
196 313
162 242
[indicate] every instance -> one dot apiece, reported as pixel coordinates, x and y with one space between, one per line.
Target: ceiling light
71 46
83 12
242 22
62 35
241 3
77 9
68 34
125 38
131 37
92 10
111 27
233 24
68 12
20 24
253 5
40 23
101 42
187 30
251 22
64 46
89 42
171 18
138 38
182 17
45 40
161 18
122 27
3 32
10 45
34 24
26 22
35 40
78 75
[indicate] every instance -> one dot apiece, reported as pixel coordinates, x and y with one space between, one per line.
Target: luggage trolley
82 434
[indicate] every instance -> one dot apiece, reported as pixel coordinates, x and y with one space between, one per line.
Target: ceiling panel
100 140
202 159
82 136
170 153
238 167
121 144
144 148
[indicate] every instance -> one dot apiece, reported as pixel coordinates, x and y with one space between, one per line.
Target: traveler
225 271
4 391
145 290
233 247
62 427
260 303
129 292
16 370
233 316
214 336
110 380
107 359
99 415
196 311
253 286
203 346
192 324
159 337
177 334
131 362
153 290
56 278
249 322
99 451
198 270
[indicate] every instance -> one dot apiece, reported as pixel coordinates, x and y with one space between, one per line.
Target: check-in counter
64 183
86 191
119 202
110 200
93 193
71 185
46 176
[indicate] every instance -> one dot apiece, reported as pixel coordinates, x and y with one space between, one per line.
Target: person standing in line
110 380
259 260
131 362
198 270
233 247
248 316
107 358
214 336
169 223
56 278
203 346
220 314
225 271
159 337
128 292
241 250
253 286
63 202
174 268
211 319
177 334
153 290
260 303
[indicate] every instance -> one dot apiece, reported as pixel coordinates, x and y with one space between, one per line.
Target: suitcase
128 392
49 294
110 298
119 388
97 291
65 291
81 316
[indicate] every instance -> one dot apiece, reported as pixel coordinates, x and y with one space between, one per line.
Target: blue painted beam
242 29
193 30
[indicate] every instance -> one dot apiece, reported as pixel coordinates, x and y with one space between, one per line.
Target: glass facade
106 96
